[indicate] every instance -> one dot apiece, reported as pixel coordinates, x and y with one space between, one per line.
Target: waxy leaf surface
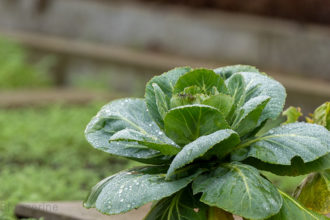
185 124
166 83
202 78
280 145
180 206
125 114
222 102
239 189
203 144
247 118
236 87
228 71
297 167
162 100
128 190
261 85
163 144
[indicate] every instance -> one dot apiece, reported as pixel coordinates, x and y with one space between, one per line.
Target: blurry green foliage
44 156
292 114
109 79
96 82
16 72
321 115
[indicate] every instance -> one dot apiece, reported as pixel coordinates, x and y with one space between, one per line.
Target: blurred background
61 60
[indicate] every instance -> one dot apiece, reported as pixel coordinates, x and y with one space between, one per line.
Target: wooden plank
39 97
118 55
75 211
72 211
150 60
304 85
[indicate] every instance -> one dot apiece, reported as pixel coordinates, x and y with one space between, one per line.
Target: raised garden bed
71 211
74 211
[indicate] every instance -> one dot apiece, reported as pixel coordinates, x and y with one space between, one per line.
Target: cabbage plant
205 135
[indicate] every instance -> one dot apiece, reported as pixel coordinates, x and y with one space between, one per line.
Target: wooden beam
75 211
72 211
110 53
41 97
149 60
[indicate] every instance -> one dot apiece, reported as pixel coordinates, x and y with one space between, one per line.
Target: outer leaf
239 189
222 102
236 86
162 101
292 114
239 154
297 167
95 192
128 190
180 206
269 124
203 144
97 189
203 78
314 192
281 144
247 120
291 209
165 145
118 115
257 85
185 124
166 82
227 71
